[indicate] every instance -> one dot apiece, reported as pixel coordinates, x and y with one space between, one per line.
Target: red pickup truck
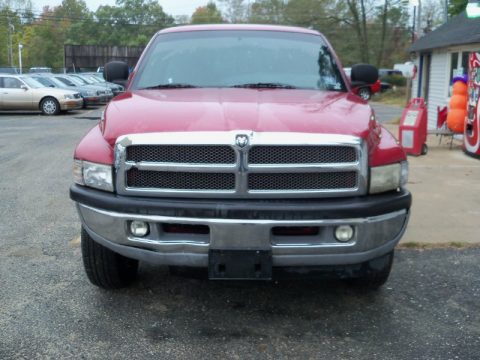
240 149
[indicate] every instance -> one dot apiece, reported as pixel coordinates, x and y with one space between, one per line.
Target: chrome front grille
303 181
240 164
301 154
190 154
180 180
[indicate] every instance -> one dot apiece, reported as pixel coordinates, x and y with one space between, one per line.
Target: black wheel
375 273
364 93
105 268
50 106
424 149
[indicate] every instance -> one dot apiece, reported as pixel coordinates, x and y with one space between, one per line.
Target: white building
438 56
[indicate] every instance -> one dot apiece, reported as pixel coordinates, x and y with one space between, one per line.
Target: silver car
19 92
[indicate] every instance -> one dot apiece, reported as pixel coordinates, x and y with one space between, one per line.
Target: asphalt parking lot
429 309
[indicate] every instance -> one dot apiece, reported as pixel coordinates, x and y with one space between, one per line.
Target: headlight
68 96
99 93
388 177
98 176
88 93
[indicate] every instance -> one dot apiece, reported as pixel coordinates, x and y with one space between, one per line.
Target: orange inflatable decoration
458 107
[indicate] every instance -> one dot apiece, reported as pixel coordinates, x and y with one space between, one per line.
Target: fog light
139 228
344 233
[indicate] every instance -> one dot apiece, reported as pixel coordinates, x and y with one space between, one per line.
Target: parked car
8 70
388 72
25 93
90 80
240 149
98 78
104 93
37 70
364 91
89 96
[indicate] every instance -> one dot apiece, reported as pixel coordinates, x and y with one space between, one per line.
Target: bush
396 80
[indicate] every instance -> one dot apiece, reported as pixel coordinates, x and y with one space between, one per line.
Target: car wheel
375 273
105 268
50 106
365 93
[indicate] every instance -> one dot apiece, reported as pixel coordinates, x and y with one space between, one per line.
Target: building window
453 65
465 56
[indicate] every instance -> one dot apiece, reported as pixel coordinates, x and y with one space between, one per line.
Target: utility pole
11 30
419 19
20 47
414 22
446 10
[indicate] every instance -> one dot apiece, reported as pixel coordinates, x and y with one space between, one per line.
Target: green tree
268 12
455 7
208 14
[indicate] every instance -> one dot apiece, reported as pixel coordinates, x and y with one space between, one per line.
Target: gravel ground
429 309
385 113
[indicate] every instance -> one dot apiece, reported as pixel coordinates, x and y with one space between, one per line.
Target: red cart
413 128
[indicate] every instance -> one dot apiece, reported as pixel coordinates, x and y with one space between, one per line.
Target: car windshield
77 81
32 82
44 81
93 79
263 59
56 82
66 81
81 79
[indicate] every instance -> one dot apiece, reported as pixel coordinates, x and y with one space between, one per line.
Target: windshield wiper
169 86
264 85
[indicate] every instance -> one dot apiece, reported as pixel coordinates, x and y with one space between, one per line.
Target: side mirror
363 74
116 72
24 87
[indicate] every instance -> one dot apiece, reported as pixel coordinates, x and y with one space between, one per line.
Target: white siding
438 85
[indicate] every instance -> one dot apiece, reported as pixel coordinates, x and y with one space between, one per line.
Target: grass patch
397 96
447 245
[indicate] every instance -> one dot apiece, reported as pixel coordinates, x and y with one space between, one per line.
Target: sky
171 7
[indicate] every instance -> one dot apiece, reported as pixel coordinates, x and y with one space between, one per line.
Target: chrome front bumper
374 237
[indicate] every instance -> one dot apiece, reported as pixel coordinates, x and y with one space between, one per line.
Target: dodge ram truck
242 150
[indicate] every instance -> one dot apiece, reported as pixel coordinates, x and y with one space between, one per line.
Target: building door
427 61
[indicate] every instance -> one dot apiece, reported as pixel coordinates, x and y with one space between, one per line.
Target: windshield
95 79
32 82
56 82
239 58
76 80
66 81
44 81
81 79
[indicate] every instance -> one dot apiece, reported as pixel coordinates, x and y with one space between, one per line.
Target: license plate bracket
240 264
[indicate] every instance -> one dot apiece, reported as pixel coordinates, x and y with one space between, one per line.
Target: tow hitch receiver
240 264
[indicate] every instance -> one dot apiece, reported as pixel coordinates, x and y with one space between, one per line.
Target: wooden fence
93 56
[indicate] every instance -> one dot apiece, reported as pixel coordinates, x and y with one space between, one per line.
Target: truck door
14 97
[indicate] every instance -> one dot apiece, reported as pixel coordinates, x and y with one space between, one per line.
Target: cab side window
11 83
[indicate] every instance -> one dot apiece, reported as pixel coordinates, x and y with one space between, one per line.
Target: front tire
105 268
365 93
50 106
375 273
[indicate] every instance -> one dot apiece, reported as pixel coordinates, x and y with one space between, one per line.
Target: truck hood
227 109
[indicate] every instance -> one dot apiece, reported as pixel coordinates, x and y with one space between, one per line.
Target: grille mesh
194 154
275 154
303 181
180 180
